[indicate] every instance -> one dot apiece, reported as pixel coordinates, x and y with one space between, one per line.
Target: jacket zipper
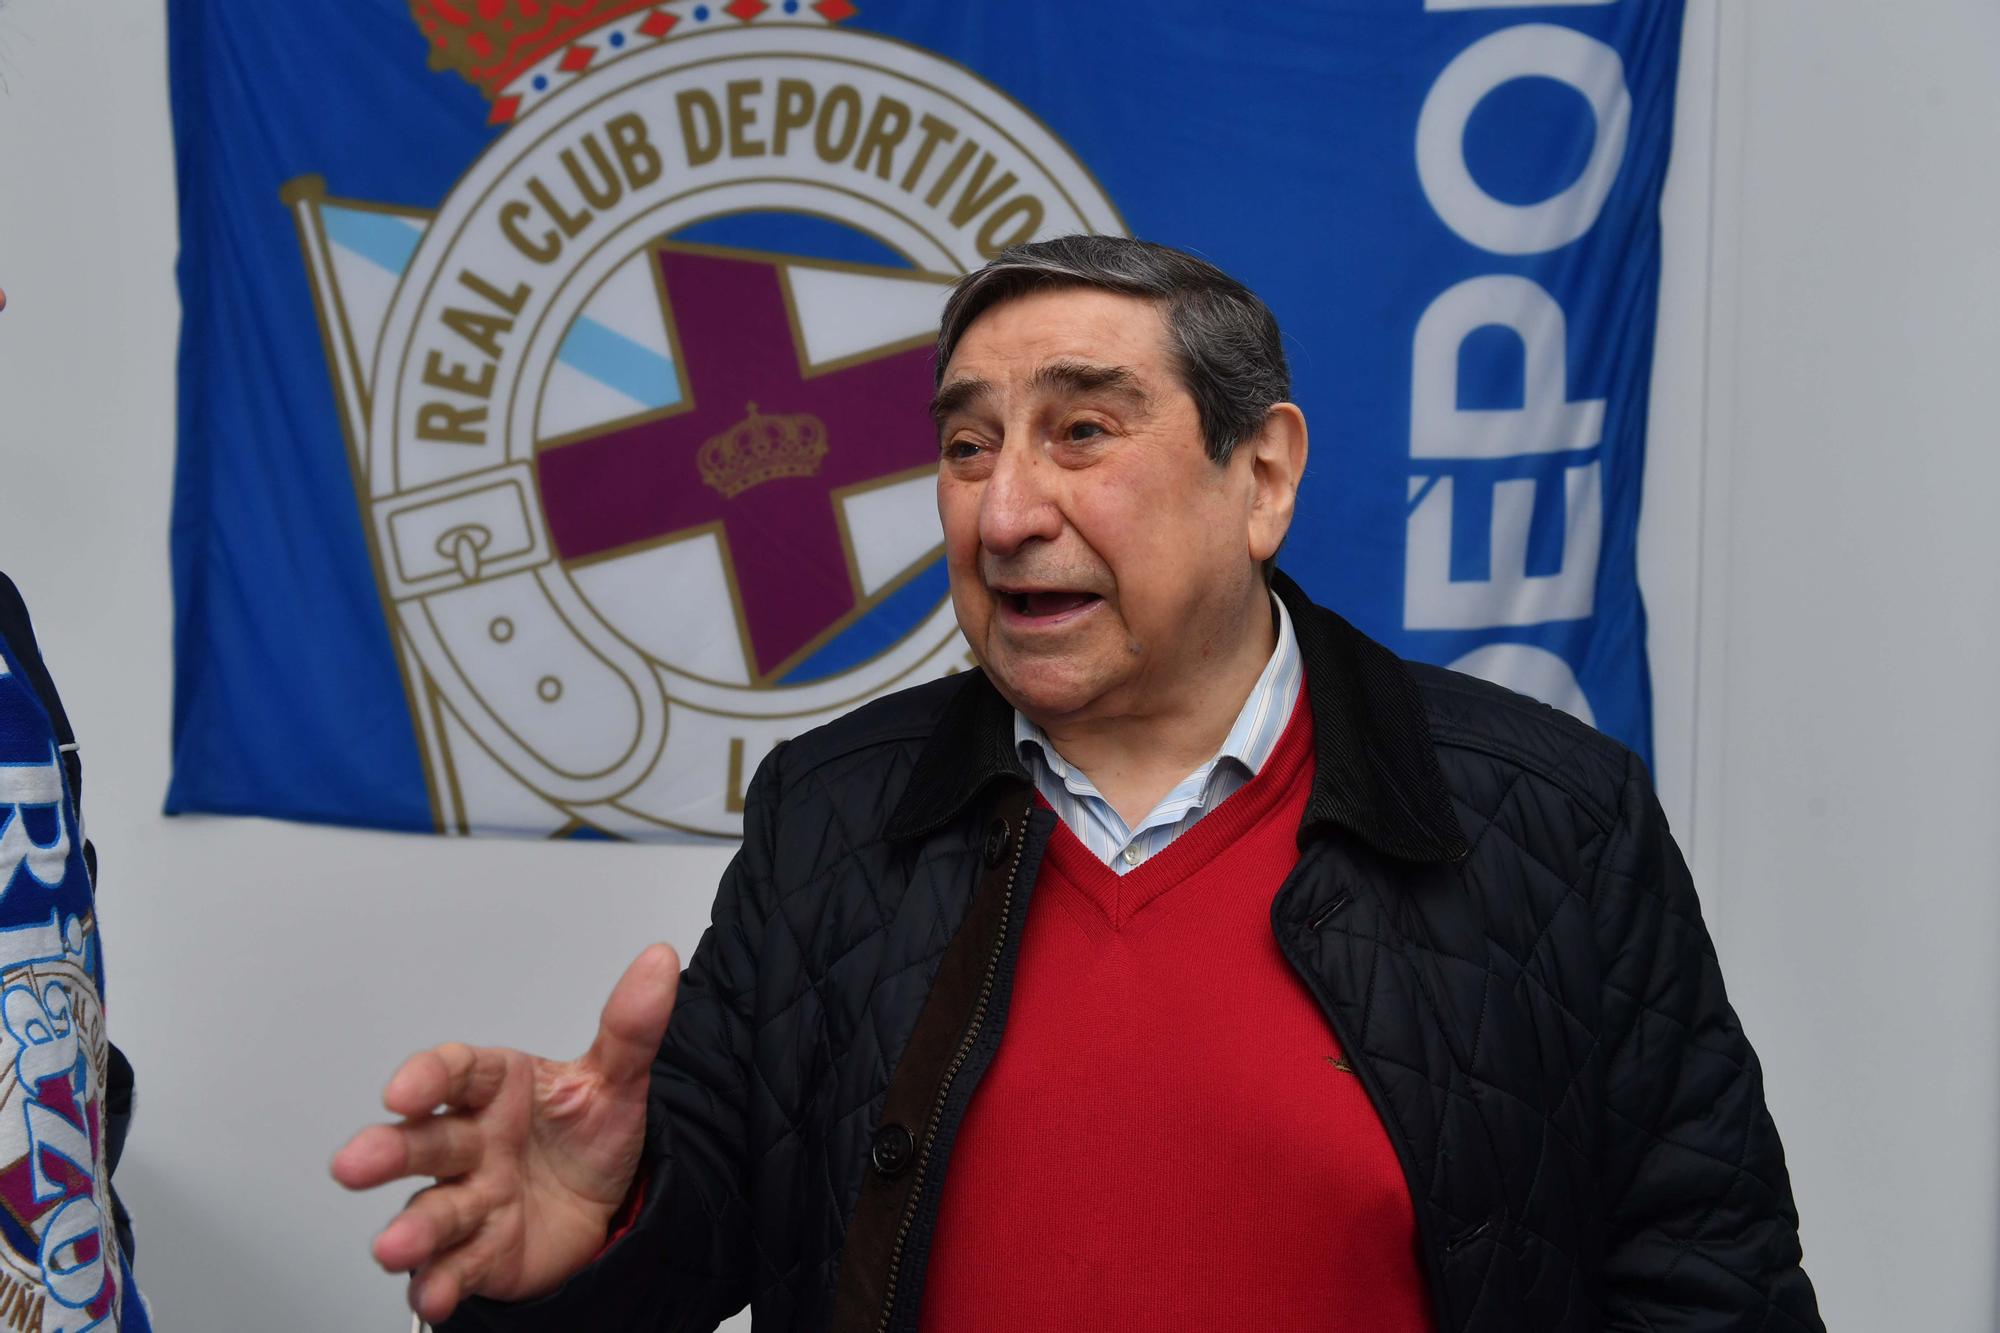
958 1059
1427 1238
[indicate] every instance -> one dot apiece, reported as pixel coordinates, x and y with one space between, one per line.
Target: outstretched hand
531 1157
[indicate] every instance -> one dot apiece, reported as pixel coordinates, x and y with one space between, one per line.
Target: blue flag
552 439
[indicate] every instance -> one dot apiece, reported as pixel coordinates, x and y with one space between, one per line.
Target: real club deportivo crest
641 506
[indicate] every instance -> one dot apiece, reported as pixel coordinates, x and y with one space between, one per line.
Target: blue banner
552 438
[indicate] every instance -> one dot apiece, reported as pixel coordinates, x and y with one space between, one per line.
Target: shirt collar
1375 763
1251 739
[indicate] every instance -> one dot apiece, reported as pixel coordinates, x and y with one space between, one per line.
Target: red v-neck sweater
1164 1140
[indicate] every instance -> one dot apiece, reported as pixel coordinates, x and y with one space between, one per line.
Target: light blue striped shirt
1079 804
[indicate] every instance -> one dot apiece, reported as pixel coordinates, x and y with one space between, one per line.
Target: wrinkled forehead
1049 339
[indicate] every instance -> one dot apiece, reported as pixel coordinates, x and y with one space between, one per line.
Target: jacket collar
1375 770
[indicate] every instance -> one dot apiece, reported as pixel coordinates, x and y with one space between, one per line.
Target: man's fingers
442 1146
439 1145
434 1221
635 1017
453 1075
438 1287
373 1157
435 1293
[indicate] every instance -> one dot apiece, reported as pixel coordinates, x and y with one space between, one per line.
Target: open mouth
1051 603
1043 606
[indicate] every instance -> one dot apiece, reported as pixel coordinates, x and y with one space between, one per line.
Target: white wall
1823 601
1848 752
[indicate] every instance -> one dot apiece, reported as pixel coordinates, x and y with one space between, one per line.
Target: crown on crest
762 448
489 42
517 51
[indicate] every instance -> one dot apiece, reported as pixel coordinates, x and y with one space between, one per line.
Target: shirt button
1131 856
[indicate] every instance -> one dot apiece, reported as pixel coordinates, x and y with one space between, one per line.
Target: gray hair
1223 338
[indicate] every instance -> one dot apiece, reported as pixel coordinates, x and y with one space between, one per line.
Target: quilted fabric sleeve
685 1263
1702 1233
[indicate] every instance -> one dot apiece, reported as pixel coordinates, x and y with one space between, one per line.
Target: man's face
1100 562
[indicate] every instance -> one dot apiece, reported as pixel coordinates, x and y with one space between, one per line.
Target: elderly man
1196 963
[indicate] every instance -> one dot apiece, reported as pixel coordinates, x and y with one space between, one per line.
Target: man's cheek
958 515
973 608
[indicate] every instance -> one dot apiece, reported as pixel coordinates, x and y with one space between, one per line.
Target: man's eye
960 449
1084 430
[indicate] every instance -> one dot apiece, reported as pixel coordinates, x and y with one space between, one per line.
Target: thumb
635 1017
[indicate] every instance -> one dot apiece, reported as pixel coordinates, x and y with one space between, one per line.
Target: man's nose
1018 503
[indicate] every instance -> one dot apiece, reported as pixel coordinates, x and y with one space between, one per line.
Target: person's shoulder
1474 721
886 733
15 627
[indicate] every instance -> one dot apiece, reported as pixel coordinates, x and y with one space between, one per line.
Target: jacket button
996 842
892 1150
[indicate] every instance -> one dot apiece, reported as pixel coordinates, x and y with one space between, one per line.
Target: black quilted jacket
1487 906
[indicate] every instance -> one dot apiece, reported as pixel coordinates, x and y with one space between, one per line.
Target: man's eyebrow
955 397
1078 377
1066 376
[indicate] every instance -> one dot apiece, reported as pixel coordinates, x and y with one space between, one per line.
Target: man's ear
1277 464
